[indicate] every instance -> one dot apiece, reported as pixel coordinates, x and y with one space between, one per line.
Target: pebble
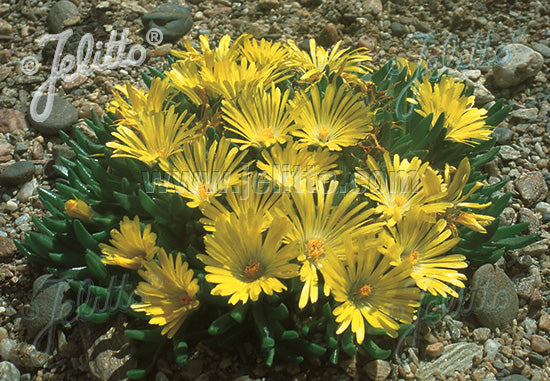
61 12
532 187
173 20
543 207
17 173
544 322
503 135
530 326
527 114
27 191
509 153
481 334
537 359
374 7
20 148
22 354
491 347
523 63
63 115
527 215
455 357
398 29
494 297
434 350
9 372
328 36
515 377
11 206
378 370
12 121
542 49
539 344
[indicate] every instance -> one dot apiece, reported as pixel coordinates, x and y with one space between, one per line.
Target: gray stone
455 357
22 354
509 153
20 148
532 188
527 215
63 115
481 334
373 6
515 377
378 370
536 359
17 173
491 348
527 286
517 64
397 29
482 95
503 135
543 207
542 49
494 298
47 307
525 113
28 190
61 12
530 326
173 20
9 372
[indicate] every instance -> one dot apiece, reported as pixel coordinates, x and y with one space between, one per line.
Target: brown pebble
544 322
434 350
73 81
5 56
162 50
540 344
7 247
85 111
368 42
12 121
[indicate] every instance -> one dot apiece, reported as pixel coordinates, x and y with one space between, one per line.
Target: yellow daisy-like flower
248 196
463 122
318 228
185 77
157 136
265 53
334 120
129 247
312 64
202 174
168 294
370 289
401 186
260 117
297 167
452 188
426 245
78 209
208 57
411 66
244 262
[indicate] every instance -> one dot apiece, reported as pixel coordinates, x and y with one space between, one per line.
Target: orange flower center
267 134
399 200
323 133
252 269
364 291
185 299
203 190
162 153
414 256
315 248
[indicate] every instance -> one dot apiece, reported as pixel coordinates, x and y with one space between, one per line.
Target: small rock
5 56
537 359
495 300
11 206
37 151
398 29
521 64
17 173
161 51
530 326
62 11
455 357
482 95
532 188
328 36
544 322
20 148
503 135
528 285
9 372
515 377
373 6
173 20
12 121
543 207
378 370
73 81
527 114
85 110
491 348
7 247
540 344
5 72
482 334
27 191
3 333
527 215
535 250
508 153
542 49
368 42
434 350
22 354
63 115
267 5
5 148
5 28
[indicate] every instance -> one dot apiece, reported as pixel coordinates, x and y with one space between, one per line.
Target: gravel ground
458 347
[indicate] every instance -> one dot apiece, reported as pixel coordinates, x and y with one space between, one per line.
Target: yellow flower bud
78 209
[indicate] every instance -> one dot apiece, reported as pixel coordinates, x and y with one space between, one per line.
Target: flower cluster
257 187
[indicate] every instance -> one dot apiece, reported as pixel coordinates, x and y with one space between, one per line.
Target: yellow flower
336 119
202 174
296 167
168 294
243 262
426 246
260 117
401 186
208 57
318 227
411 66
248 196
78 209
463 122
186 78
312 64
369 289
265 53
129 247
157 136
